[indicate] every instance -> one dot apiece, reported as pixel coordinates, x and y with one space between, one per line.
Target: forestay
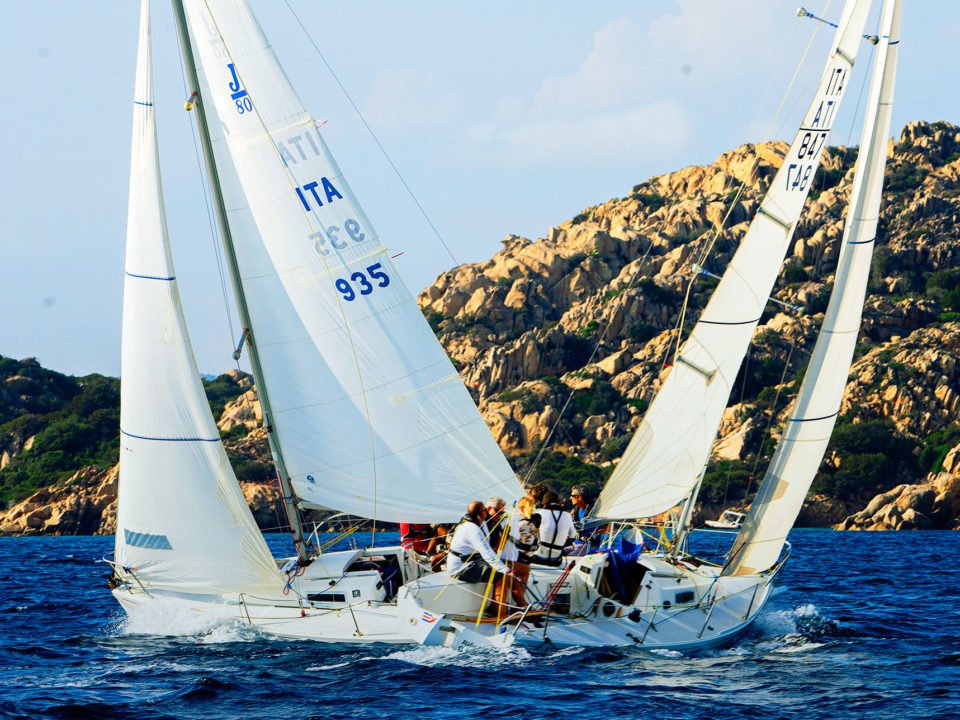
664 460
182 523
807 432
370 415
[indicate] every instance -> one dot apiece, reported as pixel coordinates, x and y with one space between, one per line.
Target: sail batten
182 522
808 429
664 460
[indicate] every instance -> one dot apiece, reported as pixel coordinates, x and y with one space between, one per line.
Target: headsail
664 460
807 434
182 523
370 414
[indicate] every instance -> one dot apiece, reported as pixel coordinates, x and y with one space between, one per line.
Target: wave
467 656
169 618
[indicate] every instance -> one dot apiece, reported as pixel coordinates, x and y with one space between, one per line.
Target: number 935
361 282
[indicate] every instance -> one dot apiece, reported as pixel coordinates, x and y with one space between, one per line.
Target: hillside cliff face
593 308
564 340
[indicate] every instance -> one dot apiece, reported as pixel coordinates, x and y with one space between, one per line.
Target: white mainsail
182 522
810 424
369 413
664 460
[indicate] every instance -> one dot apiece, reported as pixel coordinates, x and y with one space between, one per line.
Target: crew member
415 537
471 558
580 498
556 530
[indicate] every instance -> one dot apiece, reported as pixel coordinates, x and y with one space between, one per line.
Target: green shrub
935 448
656 293
561 471
726 481
597 399
220 391
858 477
590 328
651 201
613 447
640 332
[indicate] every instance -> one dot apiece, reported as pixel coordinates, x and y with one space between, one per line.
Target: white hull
676 606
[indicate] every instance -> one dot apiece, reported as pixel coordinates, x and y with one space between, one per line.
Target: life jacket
556 512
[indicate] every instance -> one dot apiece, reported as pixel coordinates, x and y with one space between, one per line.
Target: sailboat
366 414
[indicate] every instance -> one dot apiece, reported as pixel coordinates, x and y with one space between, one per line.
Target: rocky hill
563 340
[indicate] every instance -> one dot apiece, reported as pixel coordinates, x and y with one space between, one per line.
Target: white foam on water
465 656
216 623
321 668
564 652
791 631
784 622
799 647
231 632
663 652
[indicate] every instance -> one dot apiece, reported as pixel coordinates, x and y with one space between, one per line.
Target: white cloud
587 138
646 89
404 99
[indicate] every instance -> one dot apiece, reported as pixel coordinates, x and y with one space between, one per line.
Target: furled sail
807 432
664 460
369 413
182 523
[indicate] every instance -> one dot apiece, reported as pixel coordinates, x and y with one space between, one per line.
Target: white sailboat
366 414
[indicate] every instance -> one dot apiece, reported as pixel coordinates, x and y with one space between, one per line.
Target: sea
864 625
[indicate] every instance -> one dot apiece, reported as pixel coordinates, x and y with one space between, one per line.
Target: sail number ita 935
362 282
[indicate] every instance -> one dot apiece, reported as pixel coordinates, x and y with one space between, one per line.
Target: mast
289 503
686 515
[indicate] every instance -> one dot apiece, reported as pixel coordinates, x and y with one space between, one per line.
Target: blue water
867 626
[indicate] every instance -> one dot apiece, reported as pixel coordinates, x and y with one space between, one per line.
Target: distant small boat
729 520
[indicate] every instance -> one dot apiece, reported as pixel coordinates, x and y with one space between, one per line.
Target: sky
501 117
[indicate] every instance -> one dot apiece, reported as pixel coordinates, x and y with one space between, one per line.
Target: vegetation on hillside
52 425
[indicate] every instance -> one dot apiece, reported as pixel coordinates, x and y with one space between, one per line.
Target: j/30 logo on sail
237 93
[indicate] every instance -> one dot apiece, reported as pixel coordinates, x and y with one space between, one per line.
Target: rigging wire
373 135
773 415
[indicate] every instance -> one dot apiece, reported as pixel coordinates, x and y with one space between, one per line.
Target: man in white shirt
471 558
